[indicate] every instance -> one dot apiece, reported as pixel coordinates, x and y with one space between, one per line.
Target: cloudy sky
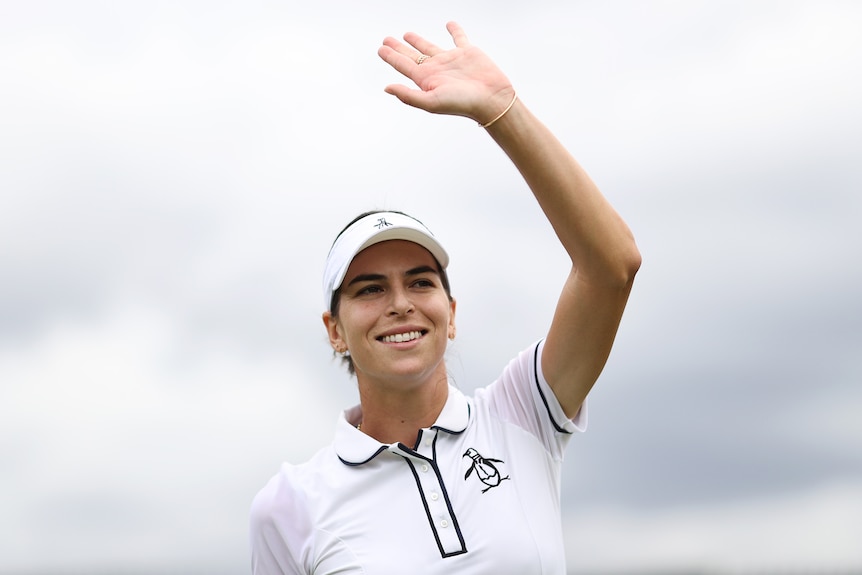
171 177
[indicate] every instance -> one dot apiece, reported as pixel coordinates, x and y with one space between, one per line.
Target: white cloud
119 440
815 530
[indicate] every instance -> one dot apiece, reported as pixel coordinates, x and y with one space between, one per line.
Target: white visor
364 232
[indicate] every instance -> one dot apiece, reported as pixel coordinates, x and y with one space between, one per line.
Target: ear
452 319
335 339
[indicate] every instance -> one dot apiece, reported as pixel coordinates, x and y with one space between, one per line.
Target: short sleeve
280 529
558 416
522 397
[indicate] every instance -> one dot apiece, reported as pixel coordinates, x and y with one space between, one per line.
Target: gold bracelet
509 107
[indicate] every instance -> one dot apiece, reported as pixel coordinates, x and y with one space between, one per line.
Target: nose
400 303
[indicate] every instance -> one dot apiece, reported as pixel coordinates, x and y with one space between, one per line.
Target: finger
421 44
402 63
402 49
391 42
392 51
399 47
458 34
411 97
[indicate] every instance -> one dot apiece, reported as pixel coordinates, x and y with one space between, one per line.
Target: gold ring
421 58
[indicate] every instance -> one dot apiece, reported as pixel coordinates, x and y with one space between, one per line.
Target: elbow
633 262
612 267
623 268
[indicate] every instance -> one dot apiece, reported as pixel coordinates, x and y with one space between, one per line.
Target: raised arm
464 81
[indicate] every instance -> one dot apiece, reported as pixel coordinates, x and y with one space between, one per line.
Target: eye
424 283
370 289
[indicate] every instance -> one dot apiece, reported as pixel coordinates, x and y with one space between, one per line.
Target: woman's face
394 315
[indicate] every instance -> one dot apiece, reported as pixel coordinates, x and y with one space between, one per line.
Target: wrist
499 115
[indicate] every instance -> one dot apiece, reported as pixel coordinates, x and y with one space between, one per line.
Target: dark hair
336 295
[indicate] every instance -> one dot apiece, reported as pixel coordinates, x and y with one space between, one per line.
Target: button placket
426 443
437 507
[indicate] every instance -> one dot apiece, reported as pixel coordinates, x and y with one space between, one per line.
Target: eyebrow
378 277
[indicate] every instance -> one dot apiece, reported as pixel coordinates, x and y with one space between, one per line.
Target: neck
396 415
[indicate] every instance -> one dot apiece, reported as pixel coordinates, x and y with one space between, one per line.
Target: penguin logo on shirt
485 469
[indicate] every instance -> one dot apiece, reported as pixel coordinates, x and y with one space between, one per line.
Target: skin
463 81
393 287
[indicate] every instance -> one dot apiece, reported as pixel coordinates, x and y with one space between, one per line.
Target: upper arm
581 335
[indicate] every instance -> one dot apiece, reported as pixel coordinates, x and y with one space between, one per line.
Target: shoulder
288 495
288 489
282 524
517 382
281 501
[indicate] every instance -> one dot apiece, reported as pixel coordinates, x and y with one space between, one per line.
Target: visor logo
382 223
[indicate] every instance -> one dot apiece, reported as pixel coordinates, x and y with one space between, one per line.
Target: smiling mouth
402 337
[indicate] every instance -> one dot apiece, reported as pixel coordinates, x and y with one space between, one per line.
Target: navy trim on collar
354 448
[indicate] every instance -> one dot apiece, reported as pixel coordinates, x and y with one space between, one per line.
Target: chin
406 373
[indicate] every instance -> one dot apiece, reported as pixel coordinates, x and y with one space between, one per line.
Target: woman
420 478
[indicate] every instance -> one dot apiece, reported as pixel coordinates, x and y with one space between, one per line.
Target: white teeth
401 337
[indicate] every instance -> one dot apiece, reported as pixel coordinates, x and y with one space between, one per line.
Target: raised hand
461 81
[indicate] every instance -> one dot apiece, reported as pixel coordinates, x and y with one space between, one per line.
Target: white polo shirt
478 493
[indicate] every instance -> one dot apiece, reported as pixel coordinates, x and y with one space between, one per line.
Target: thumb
415 98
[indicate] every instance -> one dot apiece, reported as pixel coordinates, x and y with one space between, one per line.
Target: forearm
596 238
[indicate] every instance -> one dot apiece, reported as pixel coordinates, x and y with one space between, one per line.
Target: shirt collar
355 448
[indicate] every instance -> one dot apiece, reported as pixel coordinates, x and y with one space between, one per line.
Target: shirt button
434 496
427 441
424 468
444 524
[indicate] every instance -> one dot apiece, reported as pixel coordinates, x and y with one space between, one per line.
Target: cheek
354 320
443 310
